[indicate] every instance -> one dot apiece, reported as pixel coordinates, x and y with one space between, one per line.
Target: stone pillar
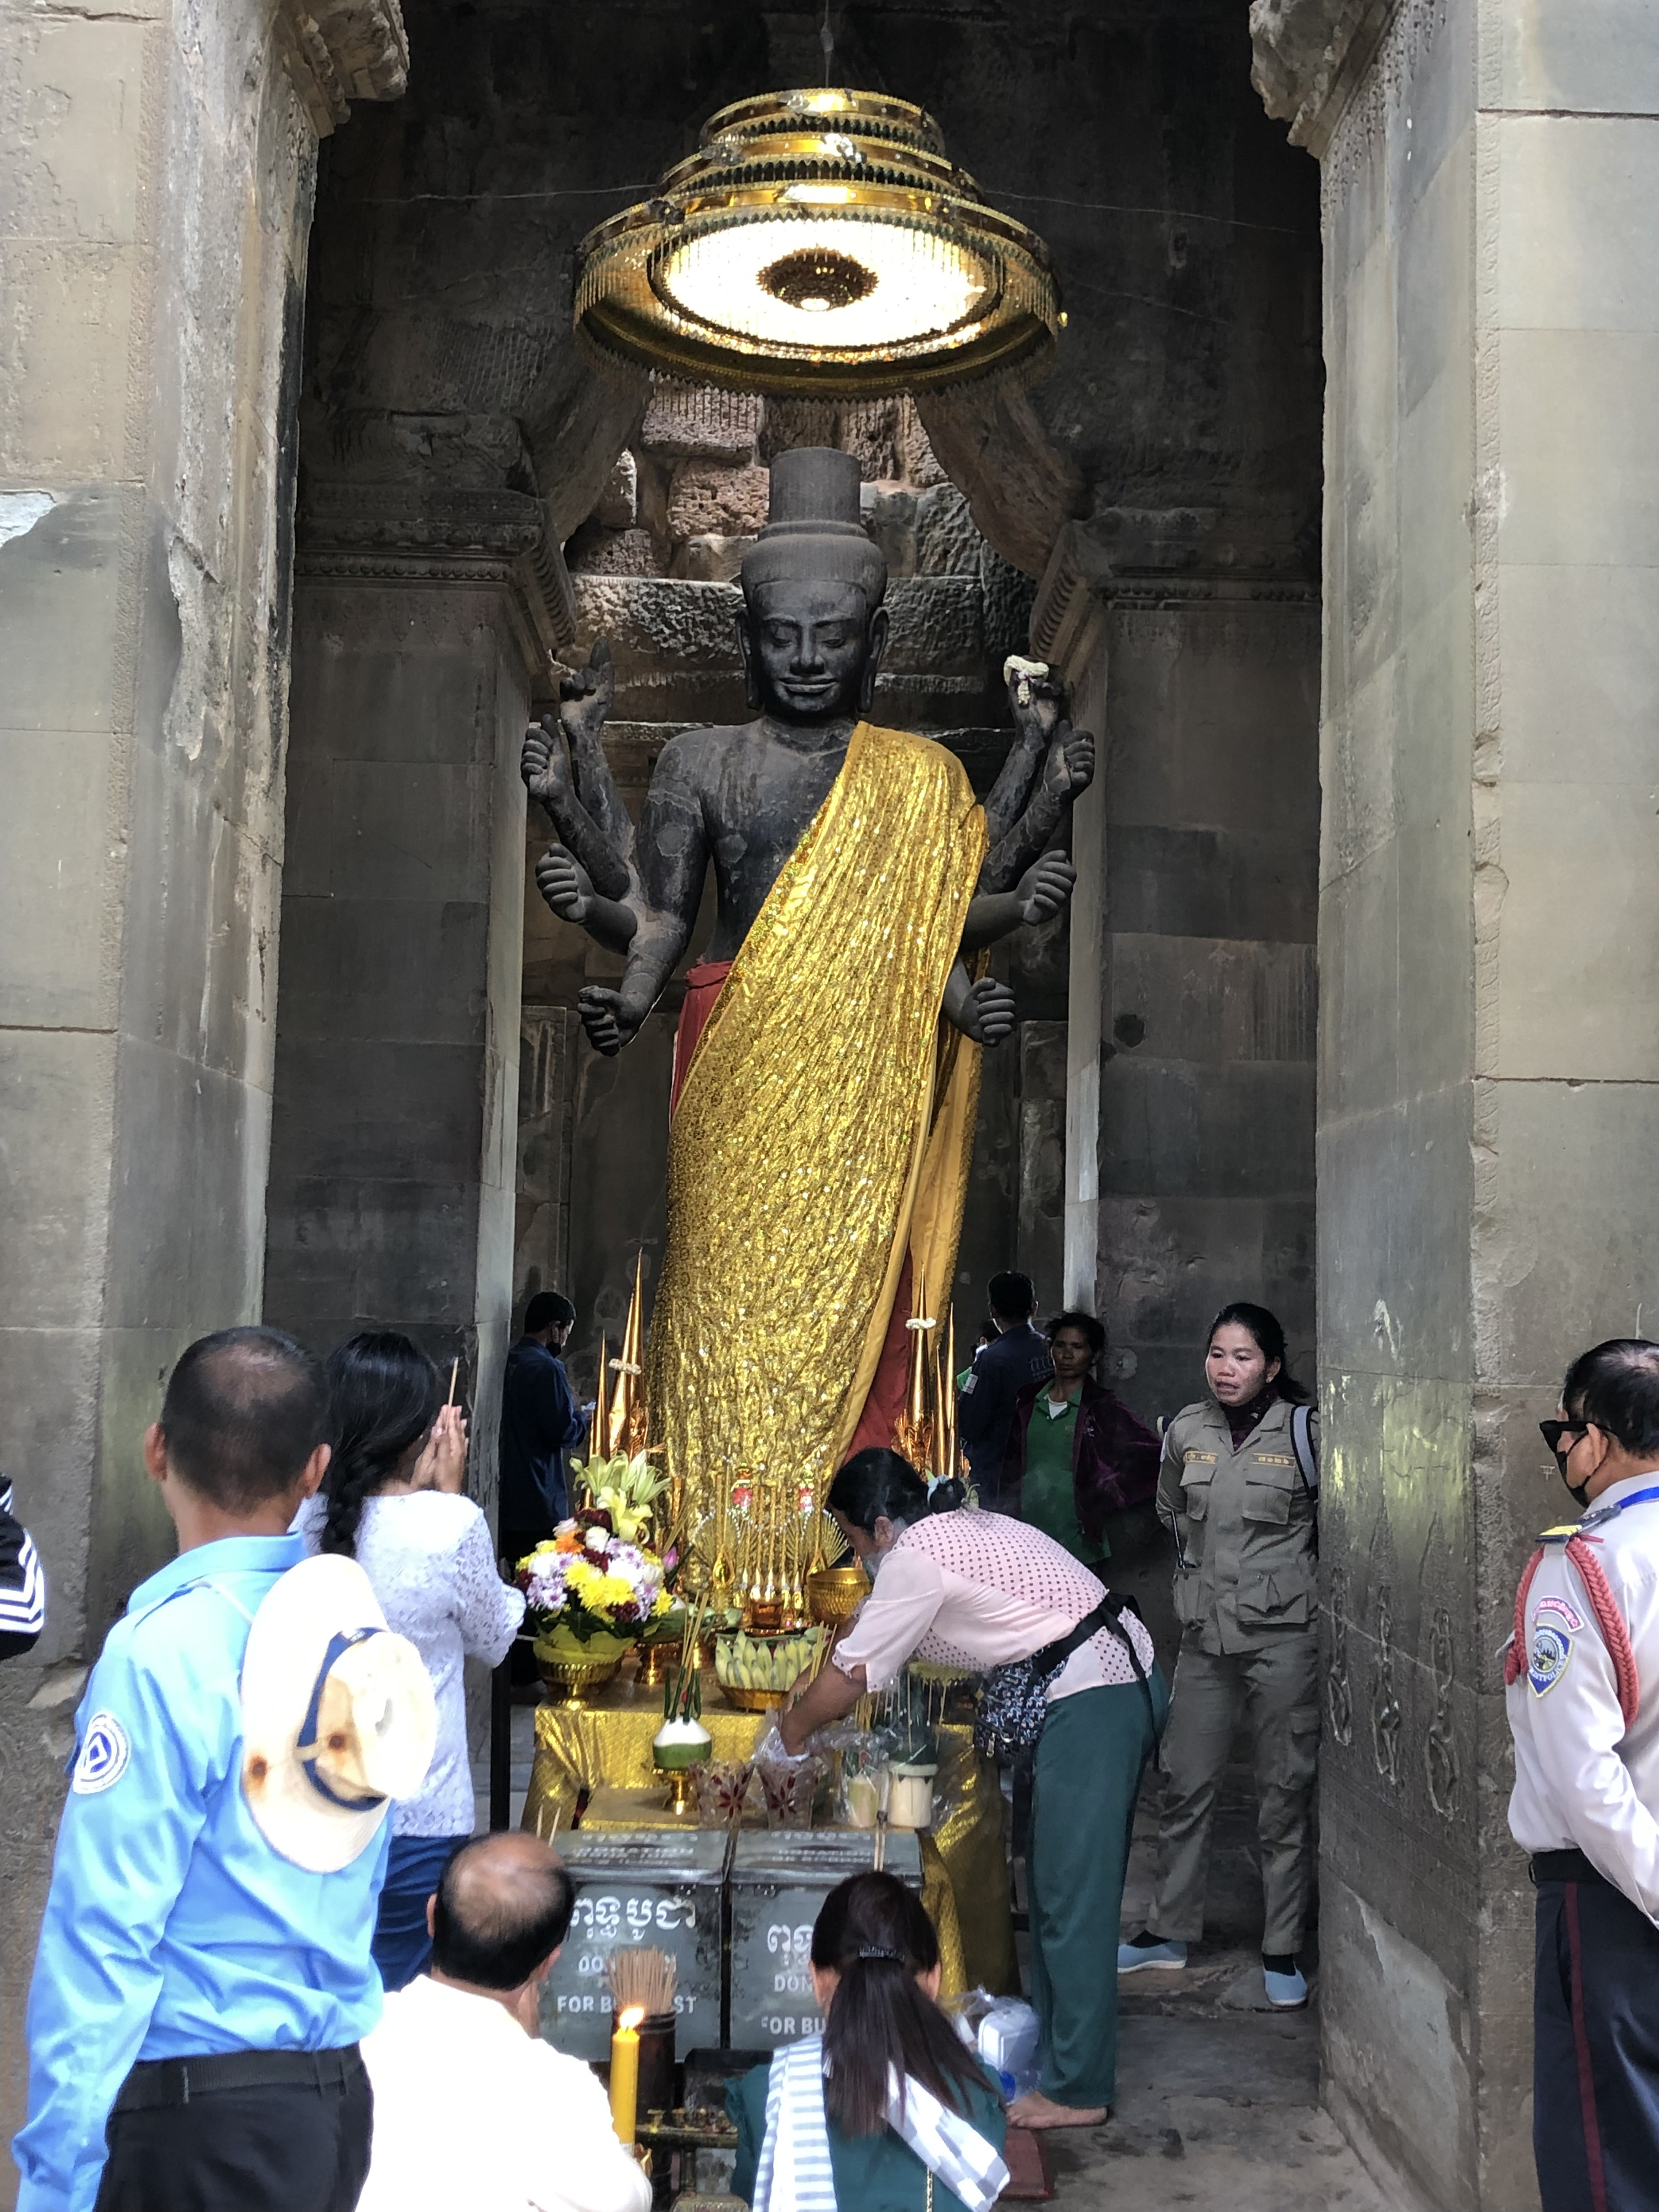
154 215
422 626
1488 941
1189 1069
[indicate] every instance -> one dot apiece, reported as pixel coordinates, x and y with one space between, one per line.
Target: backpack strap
1302 1444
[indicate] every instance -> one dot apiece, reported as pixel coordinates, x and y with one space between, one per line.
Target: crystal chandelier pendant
818 242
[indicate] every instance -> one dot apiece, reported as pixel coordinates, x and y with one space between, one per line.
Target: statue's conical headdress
812 527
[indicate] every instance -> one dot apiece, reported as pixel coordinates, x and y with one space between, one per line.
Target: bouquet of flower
623 1489
588 1582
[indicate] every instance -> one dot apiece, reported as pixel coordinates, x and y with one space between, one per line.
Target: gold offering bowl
572 1672
657 1661
835 1594
751 1701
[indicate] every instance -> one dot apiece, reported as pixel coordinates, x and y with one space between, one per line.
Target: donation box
657 1888
778 1881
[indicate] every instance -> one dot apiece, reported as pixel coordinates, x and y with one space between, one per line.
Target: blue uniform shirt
985 1406
172 1928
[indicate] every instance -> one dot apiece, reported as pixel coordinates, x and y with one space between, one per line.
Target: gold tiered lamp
823 243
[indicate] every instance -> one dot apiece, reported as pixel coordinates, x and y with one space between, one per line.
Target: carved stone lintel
1309 55
1078 580
382 533
338 51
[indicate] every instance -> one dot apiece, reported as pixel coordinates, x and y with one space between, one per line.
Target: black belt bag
1013 1700
157 2082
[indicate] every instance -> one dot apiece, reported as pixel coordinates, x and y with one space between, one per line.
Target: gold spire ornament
631 1422
912 1432
818 242
599 1426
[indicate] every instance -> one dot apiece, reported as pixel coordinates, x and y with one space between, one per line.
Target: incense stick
644 1979
454 1373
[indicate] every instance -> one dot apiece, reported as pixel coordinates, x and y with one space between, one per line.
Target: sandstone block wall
1487 1109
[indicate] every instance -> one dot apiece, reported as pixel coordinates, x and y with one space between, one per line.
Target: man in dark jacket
23 1583
985 1405
540 1422
1076 1452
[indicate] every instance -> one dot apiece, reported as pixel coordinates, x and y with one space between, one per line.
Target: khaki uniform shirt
1245 1525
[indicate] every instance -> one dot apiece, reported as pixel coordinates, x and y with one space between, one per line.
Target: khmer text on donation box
779 1881
659 1887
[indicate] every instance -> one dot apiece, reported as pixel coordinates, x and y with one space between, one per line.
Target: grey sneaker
1132 1958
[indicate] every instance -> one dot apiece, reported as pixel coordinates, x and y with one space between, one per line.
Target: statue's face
812 649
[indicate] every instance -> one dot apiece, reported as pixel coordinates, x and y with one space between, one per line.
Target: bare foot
1034 2110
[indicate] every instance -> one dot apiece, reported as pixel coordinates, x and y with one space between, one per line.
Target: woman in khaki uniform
1239 1486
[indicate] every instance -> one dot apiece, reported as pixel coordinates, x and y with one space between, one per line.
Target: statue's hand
586 695
1036 702
1041 891
608 1021
1069 768
565 884
990 1012
545 765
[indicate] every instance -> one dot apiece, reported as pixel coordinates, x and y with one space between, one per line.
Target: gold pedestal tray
572 1672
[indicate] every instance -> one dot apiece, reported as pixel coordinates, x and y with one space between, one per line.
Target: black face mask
1578 1491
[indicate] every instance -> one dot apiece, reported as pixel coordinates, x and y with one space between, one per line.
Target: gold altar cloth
607 1746
799 1153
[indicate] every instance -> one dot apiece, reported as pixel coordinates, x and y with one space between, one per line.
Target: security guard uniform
174 1931
1245 1522
1584 1707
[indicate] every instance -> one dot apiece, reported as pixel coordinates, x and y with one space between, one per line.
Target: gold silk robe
823 1129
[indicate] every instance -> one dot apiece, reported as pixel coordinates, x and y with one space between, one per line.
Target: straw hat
338 1717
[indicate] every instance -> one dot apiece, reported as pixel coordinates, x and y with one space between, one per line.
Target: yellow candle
625 2074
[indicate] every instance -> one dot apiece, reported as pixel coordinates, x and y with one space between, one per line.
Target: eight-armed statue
823 1118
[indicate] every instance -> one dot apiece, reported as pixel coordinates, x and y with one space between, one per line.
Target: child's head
244 1422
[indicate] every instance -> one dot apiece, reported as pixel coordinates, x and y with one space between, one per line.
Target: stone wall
159 169
1487 944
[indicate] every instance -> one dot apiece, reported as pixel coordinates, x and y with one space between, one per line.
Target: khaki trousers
1278 1687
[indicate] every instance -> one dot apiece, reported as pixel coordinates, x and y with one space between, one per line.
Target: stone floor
1217 2103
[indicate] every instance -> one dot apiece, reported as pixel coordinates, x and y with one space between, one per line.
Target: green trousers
1093 1751
1278 1686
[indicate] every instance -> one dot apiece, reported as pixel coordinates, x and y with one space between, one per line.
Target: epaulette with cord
1577 1544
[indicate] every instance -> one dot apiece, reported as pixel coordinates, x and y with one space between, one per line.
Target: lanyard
1610 1512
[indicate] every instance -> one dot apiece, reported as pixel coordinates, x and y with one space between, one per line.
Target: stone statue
830 1117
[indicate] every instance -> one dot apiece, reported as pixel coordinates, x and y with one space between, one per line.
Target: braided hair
386 1394
876 1936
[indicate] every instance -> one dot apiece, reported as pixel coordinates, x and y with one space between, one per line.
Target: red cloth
886 1400
703 987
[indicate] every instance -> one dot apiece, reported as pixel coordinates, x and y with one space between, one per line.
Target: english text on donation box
651 1887
779 1881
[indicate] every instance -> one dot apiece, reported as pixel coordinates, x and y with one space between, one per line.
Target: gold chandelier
818 242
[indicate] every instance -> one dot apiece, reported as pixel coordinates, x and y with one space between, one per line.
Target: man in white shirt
473 2112
1583 1690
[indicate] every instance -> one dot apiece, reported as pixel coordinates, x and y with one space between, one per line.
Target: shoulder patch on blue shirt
1546 1659
105 1752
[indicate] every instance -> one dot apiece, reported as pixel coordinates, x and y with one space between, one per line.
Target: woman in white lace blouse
391 1499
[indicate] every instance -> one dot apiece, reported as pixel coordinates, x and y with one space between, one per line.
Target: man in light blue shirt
195 1990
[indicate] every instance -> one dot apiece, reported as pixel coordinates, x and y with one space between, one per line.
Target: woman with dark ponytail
392 1500
888 2110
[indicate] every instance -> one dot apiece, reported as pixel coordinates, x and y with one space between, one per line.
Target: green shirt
1048 1497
